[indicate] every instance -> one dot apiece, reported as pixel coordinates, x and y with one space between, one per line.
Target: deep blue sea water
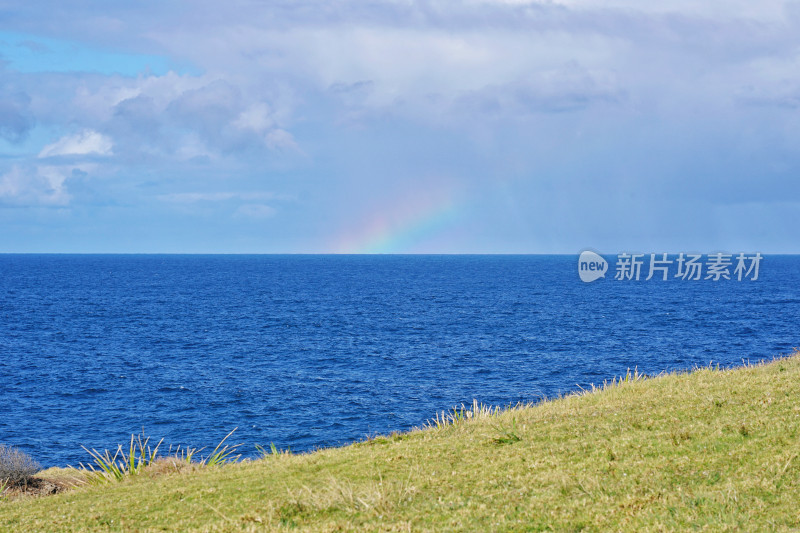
312 351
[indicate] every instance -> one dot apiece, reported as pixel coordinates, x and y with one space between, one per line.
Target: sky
400 126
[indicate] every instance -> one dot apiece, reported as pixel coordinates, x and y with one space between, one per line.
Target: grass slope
710 449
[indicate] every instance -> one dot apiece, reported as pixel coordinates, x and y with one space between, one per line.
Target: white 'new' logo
591 266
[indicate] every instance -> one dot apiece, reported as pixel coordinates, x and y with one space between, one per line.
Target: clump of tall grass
462 414
182 454
273 451
223 454
140 456
629 377
16 467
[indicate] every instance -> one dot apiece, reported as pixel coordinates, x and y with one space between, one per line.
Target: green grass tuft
273 451
222 454
107 468
507 435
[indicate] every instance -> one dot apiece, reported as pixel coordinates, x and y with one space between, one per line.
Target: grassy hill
711 449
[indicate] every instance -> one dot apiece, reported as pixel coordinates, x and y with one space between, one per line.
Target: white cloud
256 118
86 142
37 186
411 48
762 10
251 204
191 146
279 139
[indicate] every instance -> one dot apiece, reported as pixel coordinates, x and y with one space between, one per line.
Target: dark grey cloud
137 117
569 88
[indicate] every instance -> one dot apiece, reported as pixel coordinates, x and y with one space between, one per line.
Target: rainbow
407 226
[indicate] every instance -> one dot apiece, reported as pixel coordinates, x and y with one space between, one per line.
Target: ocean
309 351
